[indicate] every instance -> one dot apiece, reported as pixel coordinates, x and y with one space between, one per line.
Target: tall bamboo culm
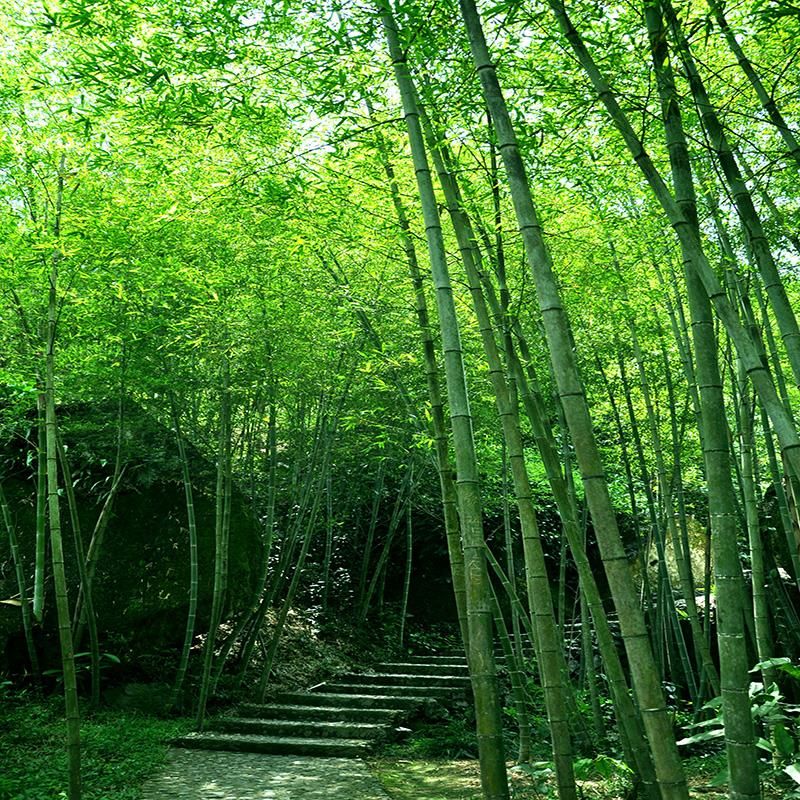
194 571
552 665
54 518
734 678
19 570
652 704
444 467
478 595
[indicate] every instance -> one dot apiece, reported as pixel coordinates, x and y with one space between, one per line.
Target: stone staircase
347 716
572 641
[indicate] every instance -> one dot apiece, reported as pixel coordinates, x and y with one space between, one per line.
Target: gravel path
215 775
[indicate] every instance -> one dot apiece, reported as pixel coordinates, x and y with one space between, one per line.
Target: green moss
406 779
120 750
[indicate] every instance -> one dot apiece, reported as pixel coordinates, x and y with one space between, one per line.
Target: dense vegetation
353 289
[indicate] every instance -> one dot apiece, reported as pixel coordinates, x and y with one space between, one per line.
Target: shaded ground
120 749
459 779
213 775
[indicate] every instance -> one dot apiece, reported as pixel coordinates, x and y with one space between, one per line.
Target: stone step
447 654
458 658
301 729
331 698
322 713
402 667
276 745
420 692
401 679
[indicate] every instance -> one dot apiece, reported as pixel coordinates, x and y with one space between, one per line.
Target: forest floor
206 775
459 779
126 755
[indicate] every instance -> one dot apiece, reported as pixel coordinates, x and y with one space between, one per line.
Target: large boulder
142 582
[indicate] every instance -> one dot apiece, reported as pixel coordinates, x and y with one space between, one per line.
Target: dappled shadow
212 775
432 780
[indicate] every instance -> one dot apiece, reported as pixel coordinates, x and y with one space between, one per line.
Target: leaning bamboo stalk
642 542
377 496
328 557
679 533
766 98
758 372
407 573
511 569
668 511
668 520
649 692
444 469
41 511
513 597
19 571
655 538
194 569
80 555
220 556
517 678
271 589
552 666
403 497
93 554
747 454
494 779
777 215
587 658
631 731
734 678
269 658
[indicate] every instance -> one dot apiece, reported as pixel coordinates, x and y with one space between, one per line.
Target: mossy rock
141 586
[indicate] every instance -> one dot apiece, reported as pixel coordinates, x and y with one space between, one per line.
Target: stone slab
212 775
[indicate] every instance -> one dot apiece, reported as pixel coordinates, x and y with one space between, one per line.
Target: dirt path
217 775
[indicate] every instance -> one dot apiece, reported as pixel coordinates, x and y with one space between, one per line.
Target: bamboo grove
477 259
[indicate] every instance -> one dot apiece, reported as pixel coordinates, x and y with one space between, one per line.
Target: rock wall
142 581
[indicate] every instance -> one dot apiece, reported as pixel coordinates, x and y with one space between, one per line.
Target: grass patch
120 750
449 779
407 779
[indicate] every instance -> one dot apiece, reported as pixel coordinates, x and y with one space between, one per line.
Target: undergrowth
120 749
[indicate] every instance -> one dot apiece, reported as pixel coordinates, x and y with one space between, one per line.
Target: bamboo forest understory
341 332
